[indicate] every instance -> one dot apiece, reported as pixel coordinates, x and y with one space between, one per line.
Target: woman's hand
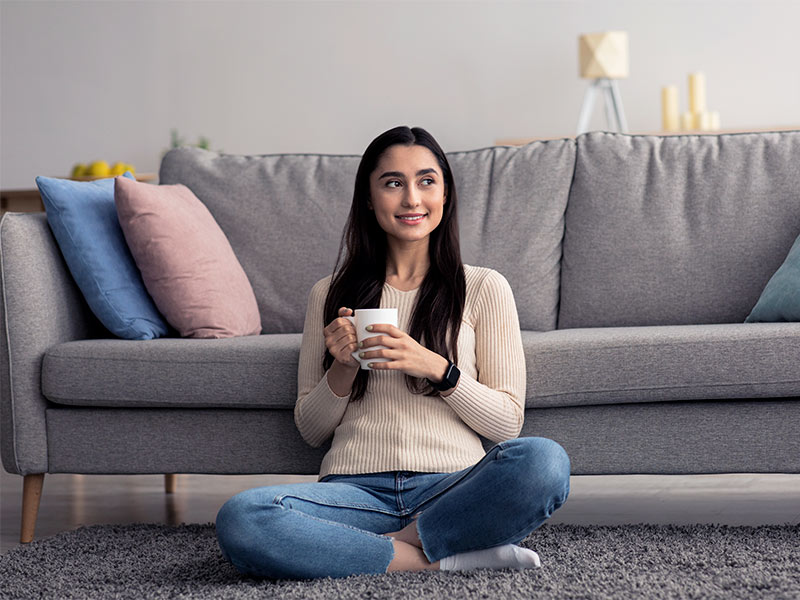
405 353
341 340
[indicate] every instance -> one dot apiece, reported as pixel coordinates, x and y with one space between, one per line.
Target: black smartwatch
450 380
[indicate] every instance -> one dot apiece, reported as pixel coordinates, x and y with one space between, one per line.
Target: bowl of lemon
100 169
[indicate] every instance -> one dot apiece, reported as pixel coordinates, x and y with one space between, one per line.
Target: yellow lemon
118 168
79 170
99 168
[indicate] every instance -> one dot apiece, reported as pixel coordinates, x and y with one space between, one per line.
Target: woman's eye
431 181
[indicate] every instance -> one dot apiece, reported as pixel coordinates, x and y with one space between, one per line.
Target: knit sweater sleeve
494 404
318 410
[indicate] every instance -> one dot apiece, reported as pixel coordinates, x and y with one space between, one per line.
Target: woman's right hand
341 340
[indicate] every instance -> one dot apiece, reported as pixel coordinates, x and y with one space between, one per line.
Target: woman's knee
241 524
543 465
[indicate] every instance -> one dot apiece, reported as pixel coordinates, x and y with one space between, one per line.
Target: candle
670 120
703 120
687 121
715 120
697 92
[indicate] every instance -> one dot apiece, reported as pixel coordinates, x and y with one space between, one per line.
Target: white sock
509 556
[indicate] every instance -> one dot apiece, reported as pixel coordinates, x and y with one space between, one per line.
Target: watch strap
450 379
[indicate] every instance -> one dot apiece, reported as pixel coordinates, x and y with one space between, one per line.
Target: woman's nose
412 197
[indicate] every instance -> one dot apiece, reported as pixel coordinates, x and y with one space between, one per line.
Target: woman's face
407 193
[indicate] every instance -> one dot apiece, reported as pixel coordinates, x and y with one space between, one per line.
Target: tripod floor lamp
604 59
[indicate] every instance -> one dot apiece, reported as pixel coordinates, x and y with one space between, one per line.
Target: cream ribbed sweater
391 429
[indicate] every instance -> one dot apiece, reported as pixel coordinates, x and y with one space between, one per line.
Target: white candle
715 120
670 119
703 121
697 92
687 121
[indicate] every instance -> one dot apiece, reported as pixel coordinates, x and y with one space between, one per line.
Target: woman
406 484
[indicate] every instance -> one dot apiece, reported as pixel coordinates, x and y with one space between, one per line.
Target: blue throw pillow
83 218
780 300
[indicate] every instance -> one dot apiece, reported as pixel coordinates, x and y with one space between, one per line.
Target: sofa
634 261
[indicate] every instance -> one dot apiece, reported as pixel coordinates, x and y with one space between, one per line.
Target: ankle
407 534
408 557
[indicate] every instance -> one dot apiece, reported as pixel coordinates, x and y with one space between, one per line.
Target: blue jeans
335 527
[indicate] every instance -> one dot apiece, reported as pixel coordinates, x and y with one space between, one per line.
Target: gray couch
634 261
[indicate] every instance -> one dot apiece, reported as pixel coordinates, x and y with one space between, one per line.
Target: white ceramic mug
371 316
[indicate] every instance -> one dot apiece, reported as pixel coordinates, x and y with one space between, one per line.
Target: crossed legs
310 530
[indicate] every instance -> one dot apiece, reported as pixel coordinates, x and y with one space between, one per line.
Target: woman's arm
494 403
318 409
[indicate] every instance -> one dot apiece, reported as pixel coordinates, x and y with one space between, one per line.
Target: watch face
450 378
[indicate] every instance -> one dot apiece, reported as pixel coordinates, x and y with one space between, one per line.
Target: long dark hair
359 283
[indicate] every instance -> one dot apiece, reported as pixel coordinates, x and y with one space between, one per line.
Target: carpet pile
621 561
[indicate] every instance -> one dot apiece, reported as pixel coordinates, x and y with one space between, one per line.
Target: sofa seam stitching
666 387
199 362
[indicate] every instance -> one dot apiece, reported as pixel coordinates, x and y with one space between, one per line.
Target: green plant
176 141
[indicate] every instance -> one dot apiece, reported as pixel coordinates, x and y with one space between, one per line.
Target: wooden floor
69 501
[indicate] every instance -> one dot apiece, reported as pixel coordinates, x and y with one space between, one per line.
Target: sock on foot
508 556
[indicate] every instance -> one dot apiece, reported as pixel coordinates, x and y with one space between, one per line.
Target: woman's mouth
411 219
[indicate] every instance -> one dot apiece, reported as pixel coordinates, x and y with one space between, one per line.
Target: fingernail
362 354
369 327
360 344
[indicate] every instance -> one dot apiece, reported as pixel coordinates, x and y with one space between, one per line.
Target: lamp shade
604 55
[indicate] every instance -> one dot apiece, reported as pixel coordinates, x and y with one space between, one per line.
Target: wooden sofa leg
31 495
169 483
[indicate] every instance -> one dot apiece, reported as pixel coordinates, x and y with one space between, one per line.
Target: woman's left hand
405 354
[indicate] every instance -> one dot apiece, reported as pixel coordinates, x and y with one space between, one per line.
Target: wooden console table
20 201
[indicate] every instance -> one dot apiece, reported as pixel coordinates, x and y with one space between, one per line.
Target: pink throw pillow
187 263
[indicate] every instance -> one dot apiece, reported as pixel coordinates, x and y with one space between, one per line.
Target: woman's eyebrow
399 174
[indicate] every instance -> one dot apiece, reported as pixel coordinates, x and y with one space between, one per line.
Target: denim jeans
334 527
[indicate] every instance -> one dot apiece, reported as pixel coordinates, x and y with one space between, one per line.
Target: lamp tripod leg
586 108
619 111
611 115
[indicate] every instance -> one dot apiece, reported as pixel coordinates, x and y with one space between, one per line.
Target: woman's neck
406 268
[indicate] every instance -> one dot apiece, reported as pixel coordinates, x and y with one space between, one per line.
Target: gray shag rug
622 561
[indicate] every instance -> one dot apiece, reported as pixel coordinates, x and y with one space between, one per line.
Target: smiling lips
411 219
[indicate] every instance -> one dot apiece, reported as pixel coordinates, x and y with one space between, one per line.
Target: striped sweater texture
392 429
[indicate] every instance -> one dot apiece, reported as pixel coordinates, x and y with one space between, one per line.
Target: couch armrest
40 305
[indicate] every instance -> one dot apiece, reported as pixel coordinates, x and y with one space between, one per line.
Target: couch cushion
678 229
186 262
655 364
241 372
511 218
284 216
564 367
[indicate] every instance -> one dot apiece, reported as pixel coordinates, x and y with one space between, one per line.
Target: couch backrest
284 216
511 218
677 229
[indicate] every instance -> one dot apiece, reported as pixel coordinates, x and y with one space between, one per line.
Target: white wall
86 80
